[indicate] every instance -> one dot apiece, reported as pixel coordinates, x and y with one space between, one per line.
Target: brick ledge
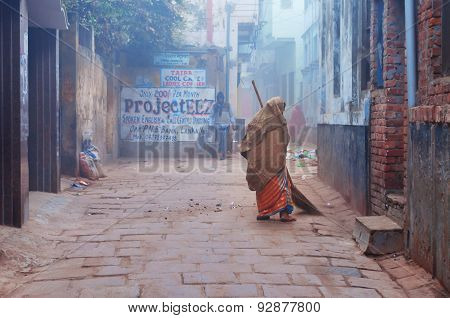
430 114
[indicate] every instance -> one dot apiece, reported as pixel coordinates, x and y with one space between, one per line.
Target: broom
297 196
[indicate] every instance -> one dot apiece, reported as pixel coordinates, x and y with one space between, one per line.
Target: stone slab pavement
183 228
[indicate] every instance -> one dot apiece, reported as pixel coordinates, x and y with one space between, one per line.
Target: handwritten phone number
154 138
162 138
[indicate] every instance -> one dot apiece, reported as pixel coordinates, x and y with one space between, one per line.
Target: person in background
296 124
222 119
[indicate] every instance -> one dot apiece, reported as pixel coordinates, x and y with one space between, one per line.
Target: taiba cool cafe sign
165 114
183 78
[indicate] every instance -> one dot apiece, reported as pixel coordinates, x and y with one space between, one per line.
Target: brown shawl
265 144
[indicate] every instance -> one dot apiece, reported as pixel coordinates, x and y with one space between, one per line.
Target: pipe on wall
410 28
229 10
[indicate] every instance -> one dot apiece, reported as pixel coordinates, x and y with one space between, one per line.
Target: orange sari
276 196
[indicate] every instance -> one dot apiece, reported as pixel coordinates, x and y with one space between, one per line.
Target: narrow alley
183 233
259 149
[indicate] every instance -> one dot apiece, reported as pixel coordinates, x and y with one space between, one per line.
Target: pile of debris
91 168
303 157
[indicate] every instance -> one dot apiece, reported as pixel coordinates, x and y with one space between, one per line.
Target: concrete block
378 235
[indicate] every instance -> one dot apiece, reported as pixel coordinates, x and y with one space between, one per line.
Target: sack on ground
92 152
88 168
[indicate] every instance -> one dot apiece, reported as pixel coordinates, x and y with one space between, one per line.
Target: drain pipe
410 27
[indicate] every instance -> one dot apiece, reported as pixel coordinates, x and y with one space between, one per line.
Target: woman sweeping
265 147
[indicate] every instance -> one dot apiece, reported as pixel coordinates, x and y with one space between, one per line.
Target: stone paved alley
192 234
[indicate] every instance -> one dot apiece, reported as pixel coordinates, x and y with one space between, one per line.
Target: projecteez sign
165 114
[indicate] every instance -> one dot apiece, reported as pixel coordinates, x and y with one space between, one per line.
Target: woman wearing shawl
265 147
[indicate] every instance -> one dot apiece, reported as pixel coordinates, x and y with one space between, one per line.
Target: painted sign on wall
171 59
164 114
183 78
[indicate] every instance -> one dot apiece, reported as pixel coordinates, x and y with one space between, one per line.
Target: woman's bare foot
286 218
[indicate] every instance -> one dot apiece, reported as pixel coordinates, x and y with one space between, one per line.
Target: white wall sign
183 78
171 59
164 114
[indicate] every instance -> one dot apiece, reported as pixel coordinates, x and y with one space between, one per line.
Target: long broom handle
257 94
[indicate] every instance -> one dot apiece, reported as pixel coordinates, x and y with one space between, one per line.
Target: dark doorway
43 143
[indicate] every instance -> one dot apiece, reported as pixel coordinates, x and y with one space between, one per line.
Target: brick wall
420 176
388 112
433 96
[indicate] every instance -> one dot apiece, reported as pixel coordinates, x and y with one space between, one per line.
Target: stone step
378 235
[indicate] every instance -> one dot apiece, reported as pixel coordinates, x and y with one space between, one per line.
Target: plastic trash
78 186
83 183
233 205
